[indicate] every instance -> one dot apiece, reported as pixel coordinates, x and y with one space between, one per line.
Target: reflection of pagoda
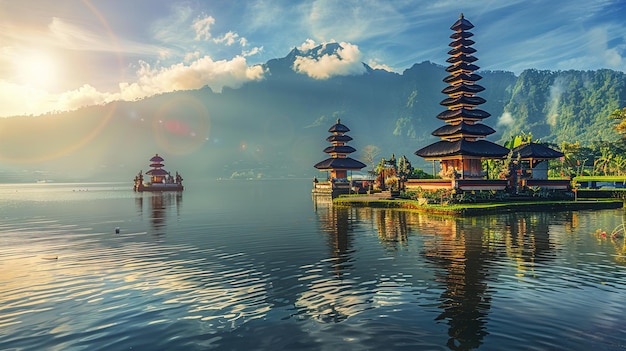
160 179
338 164
461 148
160 203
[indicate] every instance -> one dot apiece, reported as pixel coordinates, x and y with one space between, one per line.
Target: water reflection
335 222
159 204
467 253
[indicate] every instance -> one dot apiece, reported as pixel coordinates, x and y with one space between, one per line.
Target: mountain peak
315 52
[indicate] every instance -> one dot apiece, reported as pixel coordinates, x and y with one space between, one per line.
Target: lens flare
181 126
39 144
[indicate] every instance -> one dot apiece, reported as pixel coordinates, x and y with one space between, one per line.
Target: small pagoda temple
462 147
338 164
160 179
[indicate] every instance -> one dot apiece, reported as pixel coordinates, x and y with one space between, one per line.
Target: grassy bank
473 209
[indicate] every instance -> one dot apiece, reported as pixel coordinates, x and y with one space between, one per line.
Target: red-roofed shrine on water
160 179
338 164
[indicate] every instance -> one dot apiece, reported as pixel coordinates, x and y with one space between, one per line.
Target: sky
64 54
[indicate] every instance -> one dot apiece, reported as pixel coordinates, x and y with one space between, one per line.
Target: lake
259 265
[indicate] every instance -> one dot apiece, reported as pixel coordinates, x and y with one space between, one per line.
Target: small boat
160 179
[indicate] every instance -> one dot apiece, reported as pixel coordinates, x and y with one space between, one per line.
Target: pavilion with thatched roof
534 159
532 166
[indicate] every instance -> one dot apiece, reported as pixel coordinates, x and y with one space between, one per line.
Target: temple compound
462 148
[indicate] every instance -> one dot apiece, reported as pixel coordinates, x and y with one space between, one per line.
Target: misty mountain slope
277 127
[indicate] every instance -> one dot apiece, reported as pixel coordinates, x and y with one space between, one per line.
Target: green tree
621 116
603 163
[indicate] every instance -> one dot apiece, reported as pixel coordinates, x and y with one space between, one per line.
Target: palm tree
621 116
603 163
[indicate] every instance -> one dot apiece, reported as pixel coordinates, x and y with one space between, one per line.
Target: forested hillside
565 106
277 127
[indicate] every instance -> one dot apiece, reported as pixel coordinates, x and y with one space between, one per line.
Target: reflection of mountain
159 204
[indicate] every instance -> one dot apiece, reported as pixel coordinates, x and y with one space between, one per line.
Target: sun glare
37 70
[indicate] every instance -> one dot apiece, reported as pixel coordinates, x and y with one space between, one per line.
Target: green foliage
419 173
621 116
453 196
565 105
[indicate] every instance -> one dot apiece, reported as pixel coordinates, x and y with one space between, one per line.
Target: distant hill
277 127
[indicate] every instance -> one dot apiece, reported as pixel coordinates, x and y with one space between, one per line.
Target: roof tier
461 42
463 113
536 151
347 163
338 128
339 138
157 172
457 35
156 158
464 130
339 149
461 57
463 100
462 77
478 148
462 24
463 89
462 66
461 50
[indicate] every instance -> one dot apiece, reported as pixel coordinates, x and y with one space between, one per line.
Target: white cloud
191 56
307 45
345 61
83 96
376 65
19 100
506 119
598 39
202 72
255 50
228 39
202 26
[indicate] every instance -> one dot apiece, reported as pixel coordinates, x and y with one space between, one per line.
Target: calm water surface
258 265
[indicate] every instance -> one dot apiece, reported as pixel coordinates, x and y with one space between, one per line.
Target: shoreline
477 209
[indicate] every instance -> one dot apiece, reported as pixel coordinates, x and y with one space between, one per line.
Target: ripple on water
90 293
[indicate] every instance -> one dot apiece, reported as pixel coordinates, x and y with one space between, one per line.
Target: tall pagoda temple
462 147
338 164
